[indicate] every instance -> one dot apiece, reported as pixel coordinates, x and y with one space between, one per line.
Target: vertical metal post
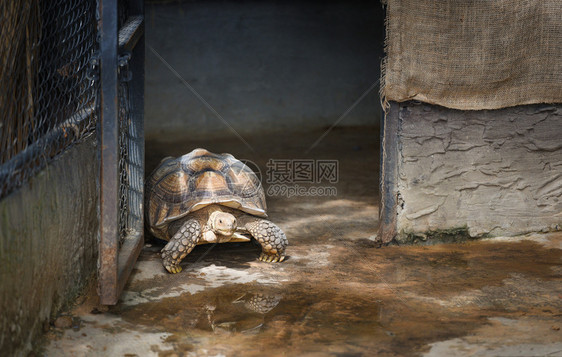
389 174
122 153
109 171
131 39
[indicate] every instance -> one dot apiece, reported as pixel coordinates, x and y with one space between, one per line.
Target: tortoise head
222 223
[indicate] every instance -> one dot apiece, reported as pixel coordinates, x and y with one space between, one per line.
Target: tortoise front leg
271 238
181 244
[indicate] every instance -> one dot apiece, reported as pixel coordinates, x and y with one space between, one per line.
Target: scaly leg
271 238
181 244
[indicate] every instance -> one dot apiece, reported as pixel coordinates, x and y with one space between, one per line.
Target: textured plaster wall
262 66
495 172
48 245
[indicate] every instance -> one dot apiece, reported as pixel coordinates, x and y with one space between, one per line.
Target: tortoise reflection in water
246 314
203 197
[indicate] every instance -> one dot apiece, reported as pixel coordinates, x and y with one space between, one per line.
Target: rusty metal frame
388 173
118 254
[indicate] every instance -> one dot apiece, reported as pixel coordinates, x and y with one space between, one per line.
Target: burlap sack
473 54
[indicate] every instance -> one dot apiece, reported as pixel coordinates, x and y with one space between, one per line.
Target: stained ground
338 293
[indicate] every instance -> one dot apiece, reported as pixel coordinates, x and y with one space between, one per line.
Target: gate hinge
93 71
125 75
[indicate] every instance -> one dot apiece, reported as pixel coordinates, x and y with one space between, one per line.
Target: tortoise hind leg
271 238
181 244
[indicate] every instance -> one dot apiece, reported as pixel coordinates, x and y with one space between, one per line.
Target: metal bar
117 260
77 124
128 255
390 138
131 32
131 38
134 43
109 171
133 242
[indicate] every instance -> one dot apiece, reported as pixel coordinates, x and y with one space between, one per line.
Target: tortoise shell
179 186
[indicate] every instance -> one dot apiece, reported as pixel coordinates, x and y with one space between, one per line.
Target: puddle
391 301
246 318
388 302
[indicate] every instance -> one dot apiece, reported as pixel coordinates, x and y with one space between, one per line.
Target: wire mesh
48 94
124 172
131 169
131 142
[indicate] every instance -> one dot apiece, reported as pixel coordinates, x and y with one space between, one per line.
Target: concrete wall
263 66
492 172
48 245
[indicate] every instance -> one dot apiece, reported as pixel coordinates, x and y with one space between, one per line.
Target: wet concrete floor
337 294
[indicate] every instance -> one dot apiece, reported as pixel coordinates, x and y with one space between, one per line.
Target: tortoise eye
220 220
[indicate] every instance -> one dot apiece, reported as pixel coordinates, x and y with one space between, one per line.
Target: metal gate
121 135
47 96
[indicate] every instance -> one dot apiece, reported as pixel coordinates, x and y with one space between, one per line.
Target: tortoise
202 197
